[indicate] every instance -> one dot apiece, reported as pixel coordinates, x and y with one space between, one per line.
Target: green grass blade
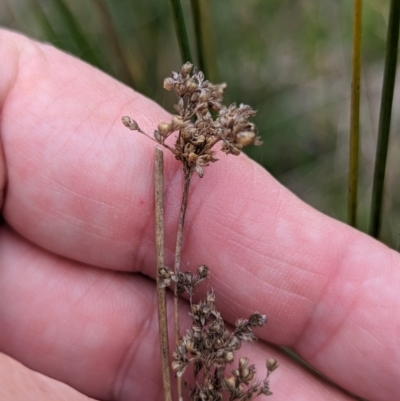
11 13
198 29
43 22
181 32
355 115
389 78
121 64
204 38
78 36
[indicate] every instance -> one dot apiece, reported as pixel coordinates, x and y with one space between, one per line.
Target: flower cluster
186 281
198 130
209 347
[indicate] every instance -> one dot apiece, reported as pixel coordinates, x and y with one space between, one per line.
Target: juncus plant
202 121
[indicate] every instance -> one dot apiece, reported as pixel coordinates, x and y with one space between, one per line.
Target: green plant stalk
161 291
204 38
43 22
389 78
355 116
12 14
78 36
181 32
198 30
119 58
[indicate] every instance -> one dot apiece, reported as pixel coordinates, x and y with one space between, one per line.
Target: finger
96 330
19 383
317 279
76 178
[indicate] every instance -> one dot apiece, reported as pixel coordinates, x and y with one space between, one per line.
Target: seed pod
158 137
176 123
164 129
191 86
230 383
272 364
199 171
229 356
130 123
169 84
186 68
246 137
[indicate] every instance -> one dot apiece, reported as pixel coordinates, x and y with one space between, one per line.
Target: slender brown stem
161 298
178 251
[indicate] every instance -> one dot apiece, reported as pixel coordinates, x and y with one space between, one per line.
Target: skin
78 220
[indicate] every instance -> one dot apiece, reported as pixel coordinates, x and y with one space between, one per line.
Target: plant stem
385 114
178 251
161 297
355 115
79 37
181 32
203 28
119 59
198 29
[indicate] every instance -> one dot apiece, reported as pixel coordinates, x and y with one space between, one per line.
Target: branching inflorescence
202 122
198 130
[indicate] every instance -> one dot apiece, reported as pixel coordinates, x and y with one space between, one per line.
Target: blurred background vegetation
290 60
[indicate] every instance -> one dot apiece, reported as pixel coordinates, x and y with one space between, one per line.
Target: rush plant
201 122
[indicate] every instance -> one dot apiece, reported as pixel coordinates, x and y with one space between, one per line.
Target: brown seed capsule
215 327
130 123
199 171
176 123
191 86
229 357
192 157
204 96
246 137
169 84
199 140
189 346
257 319
186 68
272 364
230 382
203 271
164 129
194 97
243 362
158 137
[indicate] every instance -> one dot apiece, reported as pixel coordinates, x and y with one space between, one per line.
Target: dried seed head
230 382
158 137
243 362
257 319
191 86
130 123
203 271
186 68
176 123
199 171
246 138
168 84
164 129
272 364
229 356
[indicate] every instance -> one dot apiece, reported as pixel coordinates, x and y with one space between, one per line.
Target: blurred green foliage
289 60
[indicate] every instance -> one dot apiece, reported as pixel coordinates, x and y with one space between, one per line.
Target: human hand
78 214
